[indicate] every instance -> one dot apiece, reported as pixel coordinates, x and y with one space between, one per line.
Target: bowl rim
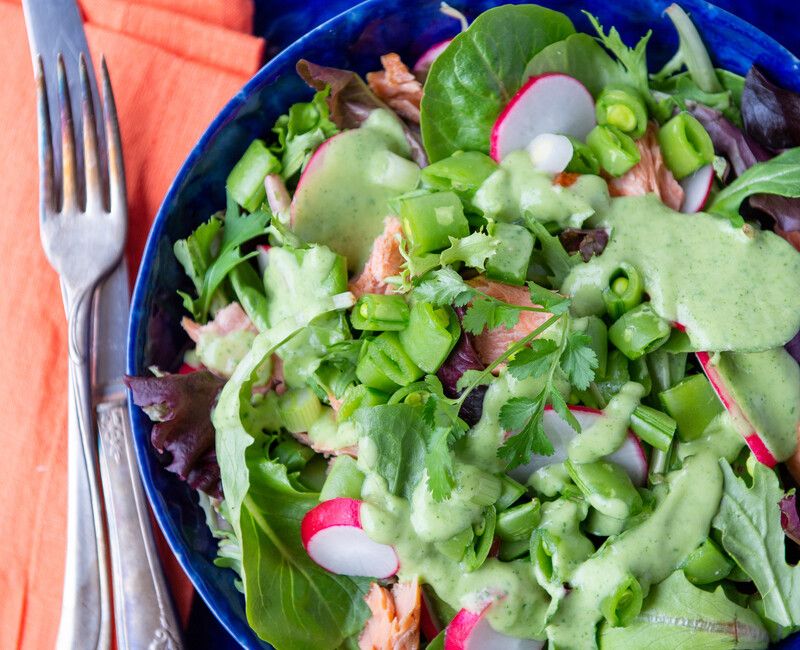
237 628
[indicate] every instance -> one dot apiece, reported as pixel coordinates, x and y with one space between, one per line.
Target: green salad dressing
516 189
724 284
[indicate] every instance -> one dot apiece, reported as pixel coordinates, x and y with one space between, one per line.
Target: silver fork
96 226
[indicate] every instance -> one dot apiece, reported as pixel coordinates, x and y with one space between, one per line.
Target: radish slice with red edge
263 257
696 189
630 456
548 103
311 168
425 62
471 631
334 538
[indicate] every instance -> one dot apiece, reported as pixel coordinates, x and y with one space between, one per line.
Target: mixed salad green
472 368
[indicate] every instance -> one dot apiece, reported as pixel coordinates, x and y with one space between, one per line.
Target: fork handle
145 617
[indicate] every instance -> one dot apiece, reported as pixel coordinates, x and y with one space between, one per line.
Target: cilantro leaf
439 464
533 361
444 287
525 414
550 300
469 376
750 523
472 250
578 360
489 313
560 407
516 412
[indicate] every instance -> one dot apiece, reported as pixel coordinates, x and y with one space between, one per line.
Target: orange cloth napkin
167 92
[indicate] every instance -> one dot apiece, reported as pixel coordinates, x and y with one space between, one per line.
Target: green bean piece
246 180
510 261
607 488
616 151
429 220
249 290
476 555
299 408
622 108
456 547
375 312
654 427
639 331
693 404
685 145
430 336
707 564
514 550
602 525
385 365
357 396
622 606
510 492
517 523
624 290
583 160
344 479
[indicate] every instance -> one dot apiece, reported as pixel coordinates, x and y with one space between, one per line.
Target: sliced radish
471 631
425 62
696 188
187 369
550 152
550 103
333 537
262 257
313 164
630 456
740 420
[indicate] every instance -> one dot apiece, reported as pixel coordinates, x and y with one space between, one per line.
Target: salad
500 351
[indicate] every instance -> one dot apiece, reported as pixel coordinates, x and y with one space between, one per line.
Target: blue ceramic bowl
354 40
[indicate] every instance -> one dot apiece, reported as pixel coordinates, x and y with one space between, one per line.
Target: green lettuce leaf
479 72
291 602
472 250
676 614
750 522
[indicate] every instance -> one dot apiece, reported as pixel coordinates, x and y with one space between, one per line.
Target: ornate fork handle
144 614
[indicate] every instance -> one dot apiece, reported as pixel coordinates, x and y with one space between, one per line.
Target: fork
93 222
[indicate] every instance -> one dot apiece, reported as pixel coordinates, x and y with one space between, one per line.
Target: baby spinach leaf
475 77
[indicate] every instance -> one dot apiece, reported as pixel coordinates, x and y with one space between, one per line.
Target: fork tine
69 177
46 199
94 189
116 166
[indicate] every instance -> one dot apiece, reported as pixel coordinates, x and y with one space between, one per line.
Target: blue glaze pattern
351 40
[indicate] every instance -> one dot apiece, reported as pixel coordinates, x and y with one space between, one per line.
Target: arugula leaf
579 361
780 175
475 77
533 361
486 312
240 228
444 287
553 302
472 250
676 614
750 523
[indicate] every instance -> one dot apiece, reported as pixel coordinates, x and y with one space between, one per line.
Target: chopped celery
299 408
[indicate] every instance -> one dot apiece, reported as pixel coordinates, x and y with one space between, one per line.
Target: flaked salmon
394 624
650 174
229 319
397 86
384 261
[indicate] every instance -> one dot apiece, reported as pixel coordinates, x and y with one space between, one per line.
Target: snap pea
639 331
624 290
707 564
624 603
344 479
607 488
510 261
476 554
602 525
429 220
510 492
622 108
249 290
430 335
685 145
375 312
517 523
654 427
385 365
693 404
583 160
357 396
246 180
616 151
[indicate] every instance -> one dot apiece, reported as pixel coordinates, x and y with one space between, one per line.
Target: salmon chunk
394 624
397 86
650 174
490 344
384 261
229 319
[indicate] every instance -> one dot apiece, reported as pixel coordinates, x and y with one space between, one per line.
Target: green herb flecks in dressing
650 551
608 433
731 289
563 541
550 480
516 189
721 439
221 353
342 198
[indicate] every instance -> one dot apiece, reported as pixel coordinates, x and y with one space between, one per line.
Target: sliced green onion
685 144
639 331
517 523
476 555
623 108
246 180
693 404
299 408
510 261
375 312
654 427
357 396
514 550
431 334
429 220
510 492
481 488
602 525
344 480
607 488
616 151
624 291
583 159
707 564
385 365
624 604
